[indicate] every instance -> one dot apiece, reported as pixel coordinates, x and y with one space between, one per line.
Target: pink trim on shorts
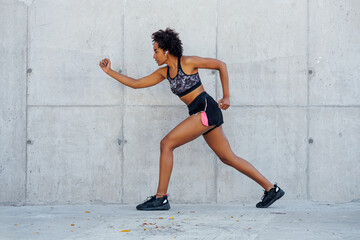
204 119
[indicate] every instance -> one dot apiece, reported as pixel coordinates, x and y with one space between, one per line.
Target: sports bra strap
179 65
179 68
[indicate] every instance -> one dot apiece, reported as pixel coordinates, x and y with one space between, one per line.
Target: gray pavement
283 220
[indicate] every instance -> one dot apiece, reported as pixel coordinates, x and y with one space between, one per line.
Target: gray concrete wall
71 135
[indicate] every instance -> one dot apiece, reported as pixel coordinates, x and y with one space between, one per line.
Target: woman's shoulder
162 71
189 60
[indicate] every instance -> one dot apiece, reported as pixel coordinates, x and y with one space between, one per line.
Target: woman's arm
144 82
211 63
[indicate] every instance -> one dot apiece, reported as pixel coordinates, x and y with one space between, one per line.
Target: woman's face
159 55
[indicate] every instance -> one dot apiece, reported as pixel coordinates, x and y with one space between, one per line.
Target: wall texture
71 135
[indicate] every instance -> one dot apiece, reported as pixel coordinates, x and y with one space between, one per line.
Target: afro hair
168 40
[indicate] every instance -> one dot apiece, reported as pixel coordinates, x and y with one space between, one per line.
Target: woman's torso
188 98
189 72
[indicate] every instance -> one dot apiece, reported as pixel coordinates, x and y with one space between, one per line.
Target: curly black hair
168 40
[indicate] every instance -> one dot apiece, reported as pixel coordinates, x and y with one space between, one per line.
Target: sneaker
152 204
270 197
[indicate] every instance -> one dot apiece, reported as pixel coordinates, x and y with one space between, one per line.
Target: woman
205 114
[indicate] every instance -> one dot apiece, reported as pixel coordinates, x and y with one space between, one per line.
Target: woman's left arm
211 63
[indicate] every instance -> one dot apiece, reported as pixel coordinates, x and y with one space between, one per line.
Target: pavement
283 220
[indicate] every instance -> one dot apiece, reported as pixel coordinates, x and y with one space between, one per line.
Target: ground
283 220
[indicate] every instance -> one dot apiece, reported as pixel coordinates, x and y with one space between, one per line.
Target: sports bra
182 83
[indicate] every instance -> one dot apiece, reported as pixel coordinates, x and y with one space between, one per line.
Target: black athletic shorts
212 115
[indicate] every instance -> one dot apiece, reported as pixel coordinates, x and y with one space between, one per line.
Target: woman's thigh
218 142
184 132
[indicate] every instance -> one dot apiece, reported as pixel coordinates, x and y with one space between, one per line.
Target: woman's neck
172 62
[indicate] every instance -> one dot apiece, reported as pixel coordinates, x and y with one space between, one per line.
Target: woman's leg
218 142
186 131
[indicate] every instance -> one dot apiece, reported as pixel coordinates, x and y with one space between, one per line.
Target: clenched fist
105 65
224 103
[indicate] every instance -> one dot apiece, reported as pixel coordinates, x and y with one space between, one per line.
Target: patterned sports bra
182 83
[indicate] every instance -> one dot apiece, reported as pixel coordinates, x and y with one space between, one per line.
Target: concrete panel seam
334 106
269 106
307 103
122 104
26 104
65 106
181 106
216 95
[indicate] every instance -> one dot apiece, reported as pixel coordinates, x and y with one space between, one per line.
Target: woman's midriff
188 98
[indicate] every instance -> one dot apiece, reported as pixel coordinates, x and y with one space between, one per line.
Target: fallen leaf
232 216
87 212
237 220
36 232
185 219
148 224
249 228
72 224
171 218
16 224
125 231
161 218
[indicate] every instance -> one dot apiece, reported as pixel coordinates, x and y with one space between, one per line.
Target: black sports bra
182 83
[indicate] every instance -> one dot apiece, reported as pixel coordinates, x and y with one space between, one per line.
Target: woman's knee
228 160
165 144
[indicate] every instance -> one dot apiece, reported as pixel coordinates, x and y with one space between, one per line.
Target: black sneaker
270 197
152 204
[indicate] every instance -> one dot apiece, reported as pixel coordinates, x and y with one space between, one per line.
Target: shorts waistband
198 104
197 99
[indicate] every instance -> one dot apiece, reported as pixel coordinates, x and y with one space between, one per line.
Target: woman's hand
224 103
105 65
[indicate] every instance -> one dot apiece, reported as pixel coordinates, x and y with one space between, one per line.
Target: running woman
205 116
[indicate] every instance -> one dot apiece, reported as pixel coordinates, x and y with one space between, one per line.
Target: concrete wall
71 135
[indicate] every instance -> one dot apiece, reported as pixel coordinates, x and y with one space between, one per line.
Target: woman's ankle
159 195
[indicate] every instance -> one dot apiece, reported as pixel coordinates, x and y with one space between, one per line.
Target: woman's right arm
144 82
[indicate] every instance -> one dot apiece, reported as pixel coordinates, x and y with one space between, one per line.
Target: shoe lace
264 196
150 198
266 192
